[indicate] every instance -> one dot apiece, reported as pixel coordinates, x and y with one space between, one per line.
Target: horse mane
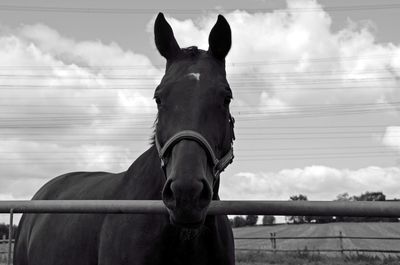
153 136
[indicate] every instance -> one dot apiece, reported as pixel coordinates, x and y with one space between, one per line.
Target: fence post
10 236
341 242
271 238
273 241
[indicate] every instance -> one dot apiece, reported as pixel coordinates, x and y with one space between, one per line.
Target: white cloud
391 137
274 60
317 182
86 53
282 52
27 165
272 105
69 105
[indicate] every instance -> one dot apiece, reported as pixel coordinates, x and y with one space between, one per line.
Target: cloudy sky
316 91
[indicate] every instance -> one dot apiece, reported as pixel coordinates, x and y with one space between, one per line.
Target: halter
218 164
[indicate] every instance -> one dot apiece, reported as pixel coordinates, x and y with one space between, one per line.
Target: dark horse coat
116 239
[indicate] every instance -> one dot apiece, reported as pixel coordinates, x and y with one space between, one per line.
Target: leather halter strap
218 164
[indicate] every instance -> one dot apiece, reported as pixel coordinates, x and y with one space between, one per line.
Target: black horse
192 145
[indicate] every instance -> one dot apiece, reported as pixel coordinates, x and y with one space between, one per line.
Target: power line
242 109
238 88
238 127
273 155
242 155
240 114
127 11
277 115
238 133
107 120
245 159
292 151
366 75
78 122
312 158
362 149
238 138
233 107
248 89
258 81
254 80
160 67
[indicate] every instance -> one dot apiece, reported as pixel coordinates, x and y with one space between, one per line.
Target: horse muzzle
191 169
187 202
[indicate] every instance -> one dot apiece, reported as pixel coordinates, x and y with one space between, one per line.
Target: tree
371 196
297 219
323 219
367 196
239 221
344 197
4 230
251 220
299 197
309 219
268 220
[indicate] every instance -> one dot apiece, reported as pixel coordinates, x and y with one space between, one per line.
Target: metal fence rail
292 208
359 250
318 237
273 242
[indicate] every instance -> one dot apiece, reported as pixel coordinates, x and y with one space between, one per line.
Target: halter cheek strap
218 164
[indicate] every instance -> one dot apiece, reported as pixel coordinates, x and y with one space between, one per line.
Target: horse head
194 129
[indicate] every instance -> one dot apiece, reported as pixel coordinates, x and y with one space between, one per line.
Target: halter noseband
218 164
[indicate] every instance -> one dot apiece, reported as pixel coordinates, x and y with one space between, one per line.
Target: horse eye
158 100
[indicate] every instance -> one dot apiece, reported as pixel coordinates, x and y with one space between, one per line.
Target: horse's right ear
220 39
164 38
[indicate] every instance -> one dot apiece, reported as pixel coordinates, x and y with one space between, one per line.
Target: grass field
331 229
262 258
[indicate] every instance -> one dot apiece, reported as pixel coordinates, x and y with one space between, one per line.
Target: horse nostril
168 195
205 195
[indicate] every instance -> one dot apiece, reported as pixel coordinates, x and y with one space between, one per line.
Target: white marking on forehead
194 75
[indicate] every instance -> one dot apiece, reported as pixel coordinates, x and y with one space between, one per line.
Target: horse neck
144 179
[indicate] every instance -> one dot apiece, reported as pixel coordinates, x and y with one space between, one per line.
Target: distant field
331 229
262 258
3 253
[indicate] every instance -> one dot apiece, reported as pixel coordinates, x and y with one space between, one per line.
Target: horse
191 146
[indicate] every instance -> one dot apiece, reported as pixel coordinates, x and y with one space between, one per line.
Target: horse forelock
192 51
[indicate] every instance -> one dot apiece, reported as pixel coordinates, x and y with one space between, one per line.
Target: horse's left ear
220 39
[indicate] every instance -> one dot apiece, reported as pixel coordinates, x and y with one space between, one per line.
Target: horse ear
164 38
220 39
